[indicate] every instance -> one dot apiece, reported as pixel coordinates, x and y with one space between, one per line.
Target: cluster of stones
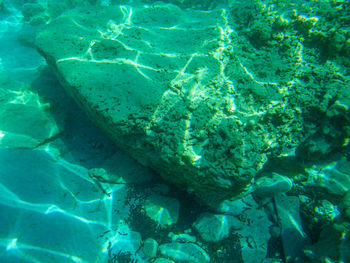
200 116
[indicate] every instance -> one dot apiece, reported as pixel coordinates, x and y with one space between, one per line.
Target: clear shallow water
55 208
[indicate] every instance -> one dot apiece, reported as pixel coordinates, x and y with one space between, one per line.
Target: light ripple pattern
68 225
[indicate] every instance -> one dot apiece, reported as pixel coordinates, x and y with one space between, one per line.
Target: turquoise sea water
273 73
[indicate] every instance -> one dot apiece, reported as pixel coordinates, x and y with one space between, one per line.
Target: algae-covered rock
165 85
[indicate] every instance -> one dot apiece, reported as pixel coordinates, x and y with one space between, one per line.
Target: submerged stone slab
149 248
271 184
293 236
159 81
336 179
254 236
214 228
164 211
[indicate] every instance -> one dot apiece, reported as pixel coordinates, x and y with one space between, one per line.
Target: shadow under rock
80 140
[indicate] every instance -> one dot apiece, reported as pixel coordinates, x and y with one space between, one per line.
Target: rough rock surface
149 248
164 211
184 252
272 184
292 233
214 228
254 236
165 84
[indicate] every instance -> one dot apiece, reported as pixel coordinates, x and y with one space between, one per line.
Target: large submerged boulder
166 86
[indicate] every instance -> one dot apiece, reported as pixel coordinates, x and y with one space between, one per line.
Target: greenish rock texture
153 78
336 180
193 94
344 205
272 184
184 252
214 228
162 210
150 247
182 237
253 231
292 233
163 260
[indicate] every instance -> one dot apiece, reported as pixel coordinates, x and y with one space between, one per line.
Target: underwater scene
174 131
